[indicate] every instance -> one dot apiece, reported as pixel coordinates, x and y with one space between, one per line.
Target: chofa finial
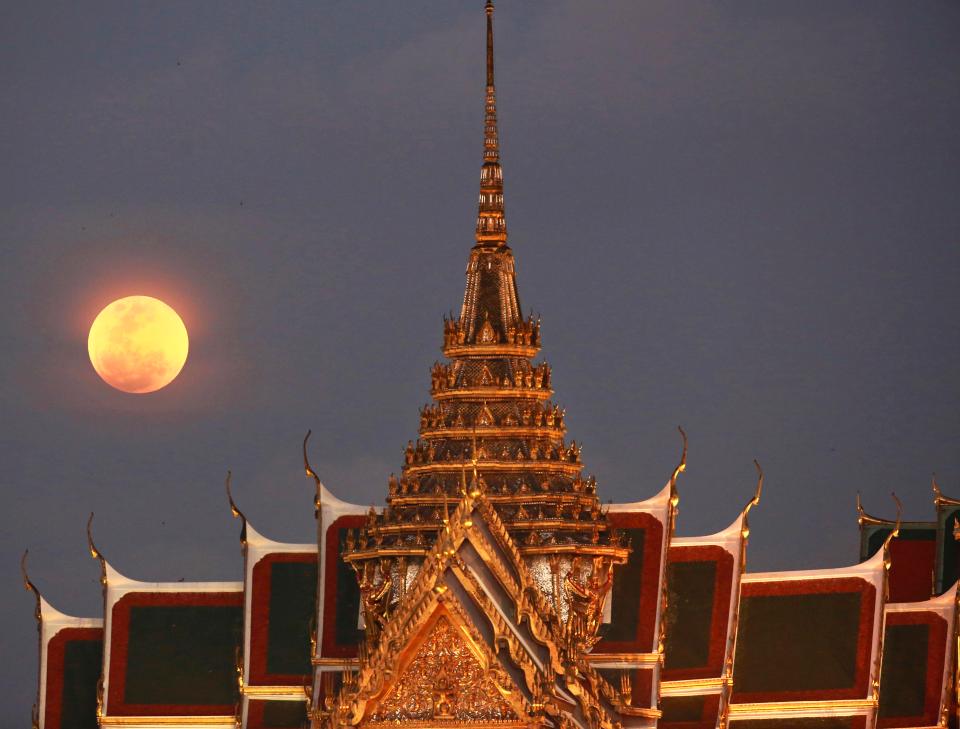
235 510
308 469
759 490
38 614
28 583
744 523
306 459
895 532
681 467
96 553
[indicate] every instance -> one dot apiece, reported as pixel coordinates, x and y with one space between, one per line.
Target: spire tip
491 227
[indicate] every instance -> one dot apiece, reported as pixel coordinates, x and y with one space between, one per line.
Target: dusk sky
739 217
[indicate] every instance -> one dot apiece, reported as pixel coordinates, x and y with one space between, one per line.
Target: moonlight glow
138 344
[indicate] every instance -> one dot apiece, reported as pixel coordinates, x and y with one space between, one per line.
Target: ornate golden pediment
447 678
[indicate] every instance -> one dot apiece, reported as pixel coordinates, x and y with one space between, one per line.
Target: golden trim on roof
285 692
803 708
693 686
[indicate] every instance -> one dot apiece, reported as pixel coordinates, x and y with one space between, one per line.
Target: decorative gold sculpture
445 681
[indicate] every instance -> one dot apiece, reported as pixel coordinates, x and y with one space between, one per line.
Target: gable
282 607
442 679
174 653
915 676
475 578
817 633
635 595
912 557
341 634
808 646
73 663
699 585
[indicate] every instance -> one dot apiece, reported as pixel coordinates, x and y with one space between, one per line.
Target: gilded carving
445 681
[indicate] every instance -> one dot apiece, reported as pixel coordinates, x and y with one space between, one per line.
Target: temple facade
494 589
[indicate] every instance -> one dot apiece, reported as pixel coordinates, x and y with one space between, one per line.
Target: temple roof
475 580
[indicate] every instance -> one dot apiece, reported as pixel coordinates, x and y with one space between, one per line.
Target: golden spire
491 140
491 226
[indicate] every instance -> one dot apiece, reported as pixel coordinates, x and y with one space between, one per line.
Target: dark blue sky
739 216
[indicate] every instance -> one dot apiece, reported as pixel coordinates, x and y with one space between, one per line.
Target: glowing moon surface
138 344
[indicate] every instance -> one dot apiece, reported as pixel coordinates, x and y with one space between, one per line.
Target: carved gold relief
444 680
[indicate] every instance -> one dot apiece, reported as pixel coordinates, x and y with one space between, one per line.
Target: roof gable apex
475 570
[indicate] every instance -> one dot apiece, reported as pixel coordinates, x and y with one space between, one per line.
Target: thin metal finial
745 519
896 528
235 510
489 10
306 459
682 465
28 583
756 494
491 138
96 553
308 469
491 224
38 615
938 497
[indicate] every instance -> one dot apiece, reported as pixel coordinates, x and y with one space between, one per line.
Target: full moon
138 344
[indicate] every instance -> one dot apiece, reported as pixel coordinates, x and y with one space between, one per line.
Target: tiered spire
490 315
491 413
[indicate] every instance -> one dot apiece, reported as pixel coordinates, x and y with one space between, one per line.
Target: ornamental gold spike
491 226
